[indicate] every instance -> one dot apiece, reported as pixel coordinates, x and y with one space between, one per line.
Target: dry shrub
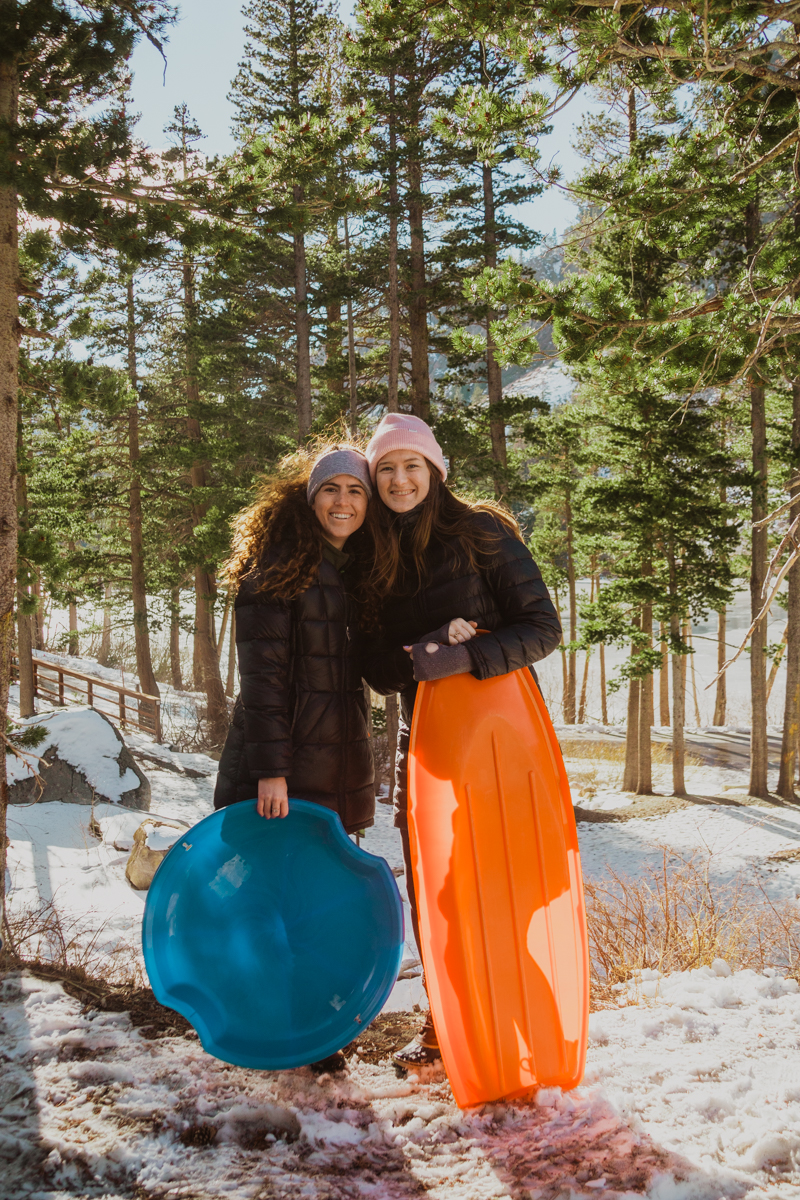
675 918
43 938
614 752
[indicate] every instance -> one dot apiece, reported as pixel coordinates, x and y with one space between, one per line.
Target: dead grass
675 918
42 942
671 918
592 765
43 937
614 752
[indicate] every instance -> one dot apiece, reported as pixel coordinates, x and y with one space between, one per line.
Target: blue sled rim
372 1003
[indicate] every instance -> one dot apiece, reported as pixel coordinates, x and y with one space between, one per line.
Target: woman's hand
458 631
273 799
461 631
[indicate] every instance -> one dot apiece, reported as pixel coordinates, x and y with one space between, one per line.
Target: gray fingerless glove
446 661
441 635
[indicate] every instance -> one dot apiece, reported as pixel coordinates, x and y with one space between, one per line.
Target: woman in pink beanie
451 567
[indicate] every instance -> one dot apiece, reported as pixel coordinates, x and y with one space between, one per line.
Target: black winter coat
506 595
302 712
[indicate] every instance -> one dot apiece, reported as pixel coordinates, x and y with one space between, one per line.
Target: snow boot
422 1049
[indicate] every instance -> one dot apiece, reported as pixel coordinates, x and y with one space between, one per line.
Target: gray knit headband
338 462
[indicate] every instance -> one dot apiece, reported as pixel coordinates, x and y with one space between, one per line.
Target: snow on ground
692 1090
55 857
691 1095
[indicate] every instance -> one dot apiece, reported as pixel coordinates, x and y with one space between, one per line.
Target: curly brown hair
277 540
443 516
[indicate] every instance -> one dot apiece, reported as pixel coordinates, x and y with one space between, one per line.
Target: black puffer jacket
302 711
506 595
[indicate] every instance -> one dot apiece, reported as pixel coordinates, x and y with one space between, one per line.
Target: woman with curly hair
300 722
447 566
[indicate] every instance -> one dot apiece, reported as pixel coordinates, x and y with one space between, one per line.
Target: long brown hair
442 516
280 519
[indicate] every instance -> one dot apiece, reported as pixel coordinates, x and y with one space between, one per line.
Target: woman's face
403 479
340 506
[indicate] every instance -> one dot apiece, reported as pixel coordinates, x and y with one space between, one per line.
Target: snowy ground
692 1089
691 1095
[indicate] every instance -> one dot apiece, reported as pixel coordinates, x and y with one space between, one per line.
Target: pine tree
487 118
276 83
57 152
416 72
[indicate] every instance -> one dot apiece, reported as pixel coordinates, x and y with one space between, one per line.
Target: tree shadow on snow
21 1150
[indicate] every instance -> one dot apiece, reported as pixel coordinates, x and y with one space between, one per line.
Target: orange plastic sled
498 878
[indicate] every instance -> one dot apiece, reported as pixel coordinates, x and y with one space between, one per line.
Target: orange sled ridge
498 877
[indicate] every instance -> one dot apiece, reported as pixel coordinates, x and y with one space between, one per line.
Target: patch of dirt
93 992
387 1033
199 1136
785 856
147 1014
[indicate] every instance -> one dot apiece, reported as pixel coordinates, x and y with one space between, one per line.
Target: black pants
411 891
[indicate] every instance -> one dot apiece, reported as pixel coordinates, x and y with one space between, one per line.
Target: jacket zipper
342 788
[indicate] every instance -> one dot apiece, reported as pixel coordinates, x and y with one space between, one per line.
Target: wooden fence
62 685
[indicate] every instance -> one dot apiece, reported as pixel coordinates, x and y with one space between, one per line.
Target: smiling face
340 506
404 479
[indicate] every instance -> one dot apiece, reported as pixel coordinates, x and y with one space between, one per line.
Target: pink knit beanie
401 431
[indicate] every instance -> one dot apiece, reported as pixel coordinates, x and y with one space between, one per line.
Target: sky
203 53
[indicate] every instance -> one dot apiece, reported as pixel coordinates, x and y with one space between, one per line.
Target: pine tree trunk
417 301
603 694
758 567
585 682
721 697
569 705
105 637
351 338
27 705
229 682
141 632
207 676
759 540
602 657
678 702
777 660
564 673
494 383
302 325
663 678
73 641
223 627
175 639
584 688
644 783
392 722
208 666
693 671
333 347
630 780
393 399
9 389
791 710
38 620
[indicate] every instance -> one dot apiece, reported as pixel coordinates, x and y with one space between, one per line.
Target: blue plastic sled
278 940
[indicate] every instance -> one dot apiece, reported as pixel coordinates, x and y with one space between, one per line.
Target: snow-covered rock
82 760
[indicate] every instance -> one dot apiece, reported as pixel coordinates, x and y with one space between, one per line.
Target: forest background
173 324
